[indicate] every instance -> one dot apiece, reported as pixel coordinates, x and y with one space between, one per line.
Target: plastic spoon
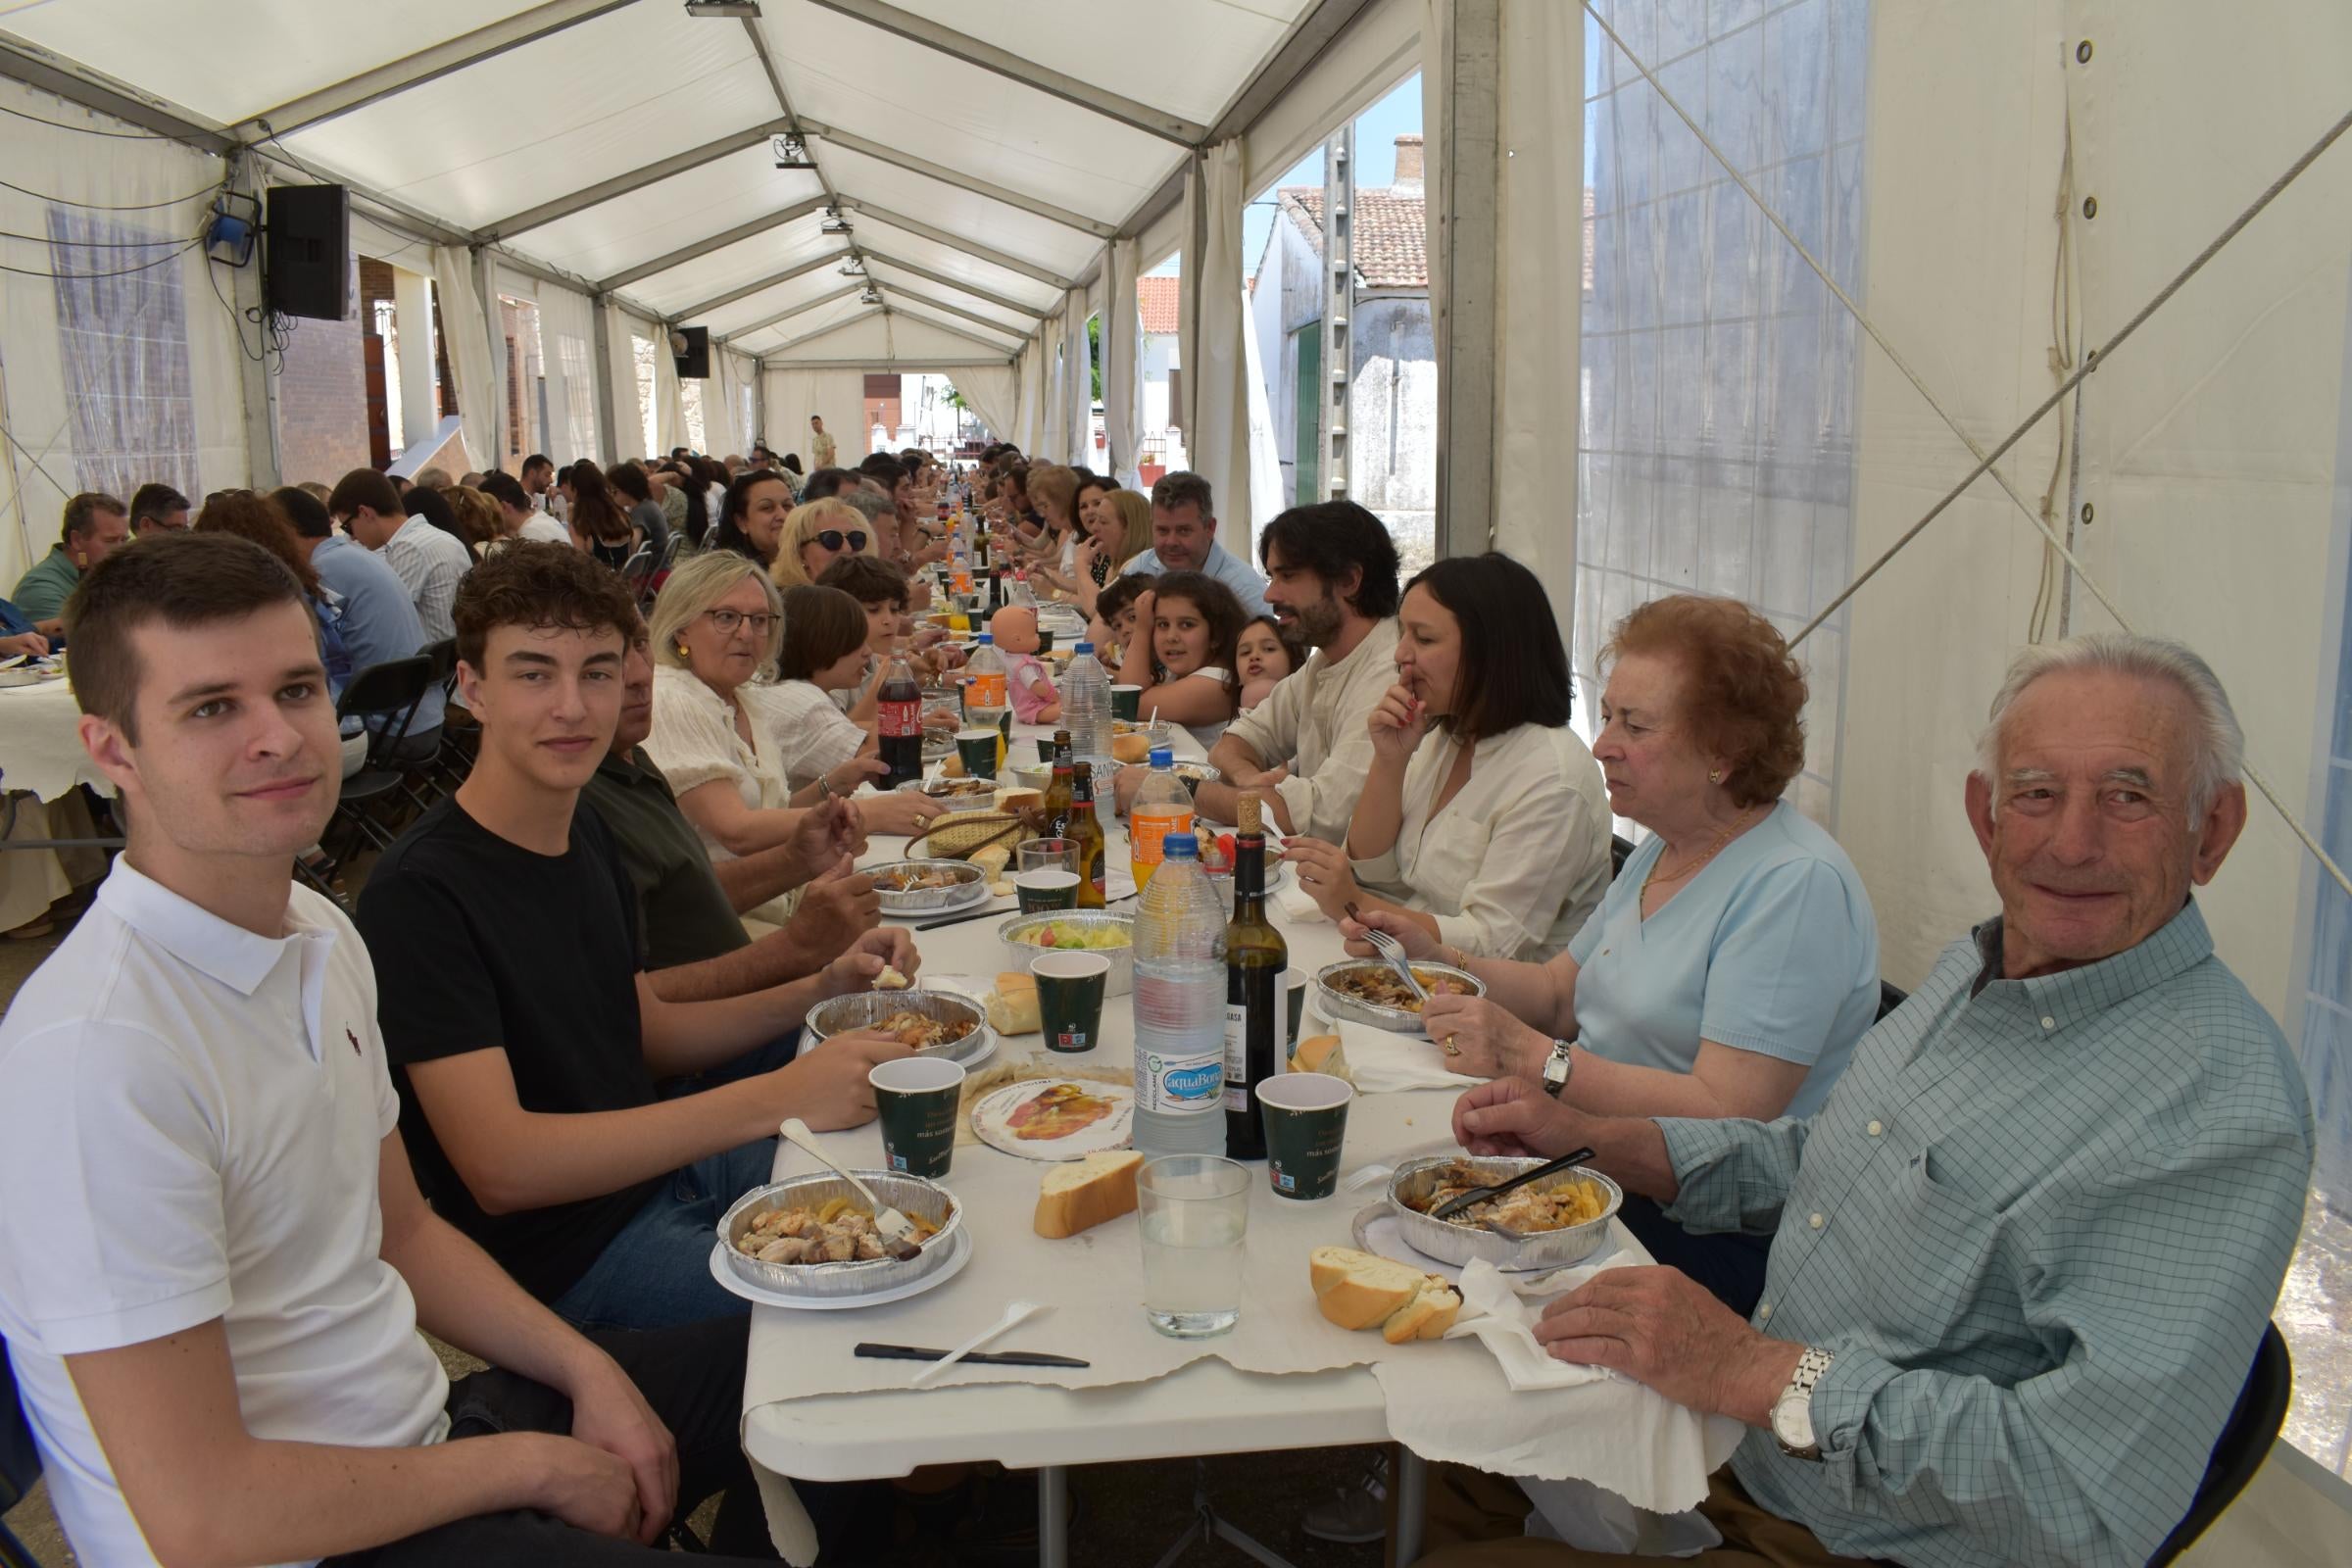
1014 1315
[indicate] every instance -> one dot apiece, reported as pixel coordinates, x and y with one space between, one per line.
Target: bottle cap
1180 847
984 639
1084 648
1163 756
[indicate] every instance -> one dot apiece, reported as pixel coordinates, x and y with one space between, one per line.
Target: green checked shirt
2040 1223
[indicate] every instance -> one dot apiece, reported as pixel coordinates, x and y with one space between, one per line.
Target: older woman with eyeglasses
716 628
817 535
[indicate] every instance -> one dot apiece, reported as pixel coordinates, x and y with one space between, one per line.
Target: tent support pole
608 401
1471 143
254 375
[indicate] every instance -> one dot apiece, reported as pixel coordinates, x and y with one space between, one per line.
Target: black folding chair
1891 996
385 698
2245 1442
637 571
19 1463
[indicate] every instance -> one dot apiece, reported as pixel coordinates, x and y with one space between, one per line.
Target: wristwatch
1556 1069
1793 1411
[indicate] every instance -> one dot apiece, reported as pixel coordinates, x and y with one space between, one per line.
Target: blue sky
1376 131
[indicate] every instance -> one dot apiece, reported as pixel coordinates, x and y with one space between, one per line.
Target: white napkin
1382 1062
1296 903
1502 1313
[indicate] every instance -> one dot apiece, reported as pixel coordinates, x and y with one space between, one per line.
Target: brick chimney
1408 166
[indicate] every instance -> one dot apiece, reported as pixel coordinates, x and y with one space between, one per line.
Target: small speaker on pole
693 352
306 251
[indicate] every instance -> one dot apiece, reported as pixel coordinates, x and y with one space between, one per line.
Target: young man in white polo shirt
214 1259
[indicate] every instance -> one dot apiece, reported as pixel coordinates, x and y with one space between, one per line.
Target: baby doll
1026 679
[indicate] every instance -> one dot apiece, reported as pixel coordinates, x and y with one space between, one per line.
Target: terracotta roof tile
1390 238
1156 302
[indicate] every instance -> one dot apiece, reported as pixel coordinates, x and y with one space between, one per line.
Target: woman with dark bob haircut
1482 821
1734 962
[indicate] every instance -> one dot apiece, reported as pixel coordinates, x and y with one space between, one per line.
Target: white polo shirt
189 1123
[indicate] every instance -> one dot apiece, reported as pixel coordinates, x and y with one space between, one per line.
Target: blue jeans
777 1052
655 1274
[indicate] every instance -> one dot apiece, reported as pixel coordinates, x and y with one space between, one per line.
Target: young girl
1181 654
1263 656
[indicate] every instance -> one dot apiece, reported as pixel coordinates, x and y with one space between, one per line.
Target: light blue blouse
1771 948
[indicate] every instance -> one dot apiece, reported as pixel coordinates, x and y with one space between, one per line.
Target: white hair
2220 744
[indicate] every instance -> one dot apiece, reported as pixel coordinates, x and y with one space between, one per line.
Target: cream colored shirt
1517 861
808 736
693 741
1315 720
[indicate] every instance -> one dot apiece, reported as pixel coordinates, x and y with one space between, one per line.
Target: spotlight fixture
722 8
834 223
852 267
871 296
790 150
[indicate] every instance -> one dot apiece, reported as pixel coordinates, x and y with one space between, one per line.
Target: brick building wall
323 401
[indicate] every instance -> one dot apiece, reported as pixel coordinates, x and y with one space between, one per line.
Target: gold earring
682 649
1714 774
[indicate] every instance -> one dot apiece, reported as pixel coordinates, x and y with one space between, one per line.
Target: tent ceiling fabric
636 134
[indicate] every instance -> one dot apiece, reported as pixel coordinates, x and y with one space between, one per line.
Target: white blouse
693 741
1517 861
808 736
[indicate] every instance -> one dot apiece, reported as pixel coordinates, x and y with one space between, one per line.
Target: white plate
961 1254
976 895
1376 1230
992 1119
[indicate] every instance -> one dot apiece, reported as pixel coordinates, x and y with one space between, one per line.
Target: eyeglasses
832 539
726 621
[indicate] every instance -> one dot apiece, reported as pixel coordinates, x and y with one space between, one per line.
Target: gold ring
1451 1049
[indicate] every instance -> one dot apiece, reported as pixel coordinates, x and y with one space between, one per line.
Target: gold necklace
1656 874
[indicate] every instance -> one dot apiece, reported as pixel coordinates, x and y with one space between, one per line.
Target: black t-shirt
682 909
479 942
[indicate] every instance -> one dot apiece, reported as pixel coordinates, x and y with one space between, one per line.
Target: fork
894 1227
1392 949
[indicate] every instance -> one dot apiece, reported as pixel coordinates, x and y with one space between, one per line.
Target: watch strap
1556 1069
1810 1366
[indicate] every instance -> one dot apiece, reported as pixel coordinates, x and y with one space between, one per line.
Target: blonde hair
478 514
803 524
1054 483
1135 512
698 583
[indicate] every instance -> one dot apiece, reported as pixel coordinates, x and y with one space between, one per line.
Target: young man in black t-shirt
525 1036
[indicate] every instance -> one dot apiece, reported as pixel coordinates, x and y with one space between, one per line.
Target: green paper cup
1306 1122
1293 986
917 1099
1042 891
1069 997
978 749
1045 641
1127 702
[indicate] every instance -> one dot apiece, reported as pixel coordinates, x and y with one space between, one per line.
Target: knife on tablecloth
918 1353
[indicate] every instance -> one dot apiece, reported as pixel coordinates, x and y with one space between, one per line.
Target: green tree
1093 352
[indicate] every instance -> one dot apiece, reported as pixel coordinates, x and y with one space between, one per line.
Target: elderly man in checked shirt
2023 1256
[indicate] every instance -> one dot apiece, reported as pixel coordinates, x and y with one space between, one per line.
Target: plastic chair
386 697
2245 1442
20 1462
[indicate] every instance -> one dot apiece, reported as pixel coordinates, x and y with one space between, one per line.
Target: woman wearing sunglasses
815 536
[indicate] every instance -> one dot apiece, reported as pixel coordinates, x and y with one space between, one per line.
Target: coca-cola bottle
899 719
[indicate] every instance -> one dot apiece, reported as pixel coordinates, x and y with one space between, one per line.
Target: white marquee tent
1999 185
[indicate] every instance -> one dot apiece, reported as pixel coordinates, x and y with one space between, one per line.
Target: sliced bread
1084 1193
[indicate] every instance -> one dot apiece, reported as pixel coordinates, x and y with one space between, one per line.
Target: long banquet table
798 1424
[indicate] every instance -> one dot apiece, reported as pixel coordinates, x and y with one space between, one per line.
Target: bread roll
1131 748
1362 1289
1321 1053
1084 1193
1012 1005
1019 800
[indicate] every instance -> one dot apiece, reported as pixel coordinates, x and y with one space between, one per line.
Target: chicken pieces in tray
834 1233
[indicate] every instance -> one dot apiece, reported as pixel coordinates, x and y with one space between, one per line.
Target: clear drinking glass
1196 1213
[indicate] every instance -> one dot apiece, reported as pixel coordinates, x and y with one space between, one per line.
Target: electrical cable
211 190
87 130
81 278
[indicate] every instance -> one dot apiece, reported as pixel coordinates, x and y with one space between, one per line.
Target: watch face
1793 1421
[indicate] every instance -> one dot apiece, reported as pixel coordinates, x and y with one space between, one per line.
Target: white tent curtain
1078 364
621 370
1123 363
1265 454
480 396
791 396
1215 322
1054 387
88 402
719 435
670 397
992 392
568 353
1029 420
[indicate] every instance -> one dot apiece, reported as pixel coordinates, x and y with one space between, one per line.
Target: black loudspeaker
306 254
694 363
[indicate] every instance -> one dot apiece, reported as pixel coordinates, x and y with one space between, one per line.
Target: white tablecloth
1285 1377
40 743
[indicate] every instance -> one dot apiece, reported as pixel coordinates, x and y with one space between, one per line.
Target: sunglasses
831 538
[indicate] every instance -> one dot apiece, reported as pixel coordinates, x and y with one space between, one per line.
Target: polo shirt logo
353 1039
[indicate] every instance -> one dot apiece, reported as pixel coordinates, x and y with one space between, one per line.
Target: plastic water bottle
1180 1008
1086 711
1160 810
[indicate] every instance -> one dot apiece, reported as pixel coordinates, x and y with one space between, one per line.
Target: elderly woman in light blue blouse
1735 959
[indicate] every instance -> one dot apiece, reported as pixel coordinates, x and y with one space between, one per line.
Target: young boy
515 1004
214 1258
